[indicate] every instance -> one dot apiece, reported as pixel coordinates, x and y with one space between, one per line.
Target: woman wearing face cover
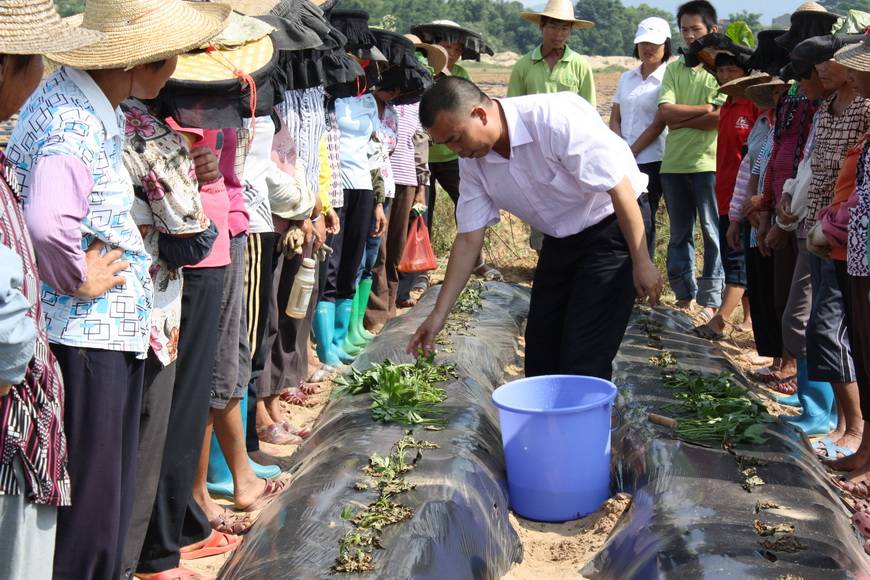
97 295
633 115
33 472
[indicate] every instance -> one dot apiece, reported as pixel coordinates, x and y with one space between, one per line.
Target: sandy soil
554 551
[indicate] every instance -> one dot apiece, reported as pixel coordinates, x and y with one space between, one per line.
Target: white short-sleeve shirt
638 101
563 161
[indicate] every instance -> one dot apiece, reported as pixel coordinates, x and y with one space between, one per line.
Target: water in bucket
556 435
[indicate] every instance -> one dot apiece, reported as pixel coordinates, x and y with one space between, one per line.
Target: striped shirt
402 158
31 415
333 145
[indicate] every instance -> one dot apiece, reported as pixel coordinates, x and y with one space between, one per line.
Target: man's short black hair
668 51
700 8
450 95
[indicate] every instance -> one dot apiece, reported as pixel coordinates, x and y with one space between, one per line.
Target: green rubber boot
364 291
346 351
354 338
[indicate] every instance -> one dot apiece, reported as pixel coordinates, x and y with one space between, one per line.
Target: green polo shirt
442 153
689 150
532 75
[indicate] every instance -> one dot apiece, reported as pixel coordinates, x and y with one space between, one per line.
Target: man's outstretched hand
424 339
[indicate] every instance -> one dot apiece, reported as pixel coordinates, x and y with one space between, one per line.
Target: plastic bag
418 255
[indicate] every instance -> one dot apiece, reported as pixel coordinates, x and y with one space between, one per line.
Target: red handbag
418 255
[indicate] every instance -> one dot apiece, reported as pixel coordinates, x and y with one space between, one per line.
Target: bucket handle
616 410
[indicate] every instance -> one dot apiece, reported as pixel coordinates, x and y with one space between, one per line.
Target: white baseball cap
654 29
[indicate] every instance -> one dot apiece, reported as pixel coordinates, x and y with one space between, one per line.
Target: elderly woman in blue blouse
68 153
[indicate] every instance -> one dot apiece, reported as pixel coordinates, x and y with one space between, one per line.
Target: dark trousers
287 343
856 290
582 298
101 422
385 283
348 252
654 196
260 260
733 261
766 319
197 345
153 423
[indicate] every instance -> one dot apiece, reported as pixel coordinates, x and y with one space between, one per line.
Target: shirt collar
111 118
518 134
537 56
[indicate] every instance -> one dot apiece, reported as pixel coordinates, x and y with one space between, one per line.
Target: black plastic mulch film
690 516
460 527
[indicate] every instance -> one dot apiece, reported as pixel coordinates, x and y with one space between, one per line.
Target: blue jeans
687 195
370 255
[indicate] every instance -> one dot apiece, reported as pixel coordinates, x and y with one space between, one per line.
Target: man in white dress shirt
550 160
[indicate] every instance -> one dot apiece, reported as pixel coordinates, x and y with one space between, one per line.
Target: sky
769 9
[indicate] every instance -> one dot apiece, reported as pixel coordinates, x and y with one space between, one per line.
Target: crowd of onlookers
204 207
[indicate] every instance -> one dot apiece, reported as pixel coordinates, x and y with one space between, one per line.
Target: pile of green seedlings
714 409
356 547
401 393
459 321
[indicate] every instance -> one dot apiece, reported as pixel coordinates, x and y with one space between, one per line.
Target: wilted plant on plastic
401 393
355 548
459 321
715 409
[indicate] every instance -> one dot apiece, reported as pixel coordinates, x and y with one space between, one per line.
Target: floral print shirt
859 218
167 203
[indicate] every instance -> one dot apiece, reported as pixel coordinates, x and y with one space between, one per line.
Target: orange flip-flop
217 543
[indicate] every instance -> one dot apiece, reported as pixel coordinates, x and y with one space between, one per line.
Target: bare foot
845 439
684 304
746 325
247 495
857 464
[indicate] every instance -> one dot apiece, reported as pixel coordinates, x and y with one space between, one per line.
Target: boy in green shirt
689 103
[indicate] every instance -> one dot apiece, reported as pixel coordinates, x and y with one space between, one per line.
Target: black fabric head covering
818 49
807 24
292 34
405 72
473 44
769 57
221 104
704 50
354 24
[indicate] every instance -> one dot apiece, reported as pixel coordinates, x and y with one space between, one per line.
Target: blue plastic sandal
831 449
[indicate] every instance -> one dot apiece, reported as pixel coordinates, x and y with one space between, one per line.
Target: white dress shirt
638 101
563 161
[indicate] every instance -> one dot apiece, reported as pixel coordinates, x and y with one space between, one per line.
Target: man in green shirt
552 67
689 103
460 43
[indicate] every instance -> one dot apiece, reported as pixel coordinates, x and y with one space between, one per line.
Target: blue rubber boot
791 400
220 479
343 308
324 328
817 400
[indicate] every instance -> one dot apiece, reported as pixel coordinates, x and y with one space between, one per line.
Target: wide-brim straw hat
762 93
34 27
737 87
855 56
562 10
251 7
436 55
142 31
809 20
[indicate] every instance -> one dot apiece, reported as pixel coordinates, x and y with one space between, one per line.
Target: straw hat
142 31
855 56
437 31
34 27
557 10
436 55
762 93
810 19
251 7
737 87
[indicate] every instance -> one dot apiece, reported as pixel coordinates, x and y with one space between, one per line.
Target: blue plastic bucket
556 435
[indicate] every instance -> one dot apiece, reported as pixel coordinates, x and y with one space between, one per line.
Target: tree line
500 23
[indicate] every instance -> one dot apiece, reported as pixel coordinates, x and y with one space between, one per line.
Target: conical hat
856 56
142 31
251 7
557 10
737 87
436 55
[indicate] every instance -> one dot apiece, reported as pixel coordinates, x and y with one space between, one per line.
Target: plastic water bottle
300 294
